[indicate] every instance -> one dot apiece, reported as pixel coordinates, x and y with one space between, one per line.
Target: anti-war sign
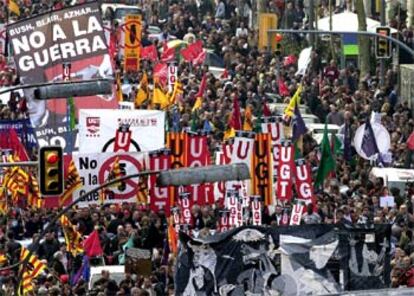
94 170
41 45
65 35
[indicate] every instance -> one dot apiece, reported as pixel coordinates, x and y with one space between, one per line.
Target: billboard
66 35
41 45
121 130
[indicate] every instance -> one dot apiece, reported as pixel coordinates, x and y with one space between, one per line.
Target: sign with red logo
296 215
93 125
109 130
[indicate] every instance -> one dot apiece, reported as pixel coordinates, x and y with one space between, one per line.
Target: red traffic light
278 37
52 158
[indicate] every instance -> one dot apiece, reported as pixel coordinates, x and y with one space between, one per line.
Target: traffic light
51 170
278 45
382 45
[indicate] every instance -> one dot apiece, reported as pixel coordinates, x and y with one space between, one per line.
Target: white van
116 273
317 129
393 177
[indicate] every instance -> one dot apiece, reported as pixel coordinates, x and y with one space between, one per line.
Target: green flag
298 153
128 245
72 115
336 145
327 163
194 124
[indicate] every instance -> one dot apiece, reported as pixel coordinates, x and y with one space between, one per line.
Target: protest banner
41 44
23 129
121 130
132 42
95 168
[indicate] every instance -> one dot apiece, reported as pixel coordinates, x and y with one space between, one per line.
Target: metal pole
382 62
35 85
311 20
19 164
396 41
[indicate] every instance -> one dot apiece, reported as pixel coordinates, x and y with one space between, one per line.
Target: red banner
285 174
262 168
222 157
159 196
274 127
176 219
256 206
242 152
186 204
234 207
304 186
223 221
197 155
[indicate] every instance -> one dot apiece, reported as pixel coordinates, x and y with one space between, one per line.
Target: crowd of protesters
338 95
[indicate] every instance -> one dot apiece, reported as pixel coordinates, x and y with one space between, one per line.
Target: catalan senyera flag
4 208
116 172
13 7
143 190
33 269
34 199
159 97
172 237
73 238
143 92
72 182
16 181
295 100
119 94
248 117
177 90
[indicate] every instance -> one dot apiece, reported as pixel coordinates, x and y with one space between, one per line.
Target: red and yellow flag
73 238
34 199
33 270
72 182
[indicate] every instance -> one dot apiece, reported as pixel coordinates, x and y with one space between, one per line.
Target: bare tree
363 41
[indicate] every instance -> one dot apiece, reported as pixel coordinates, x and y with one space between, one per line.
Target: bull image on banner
96 168
132 42
40 46
121 130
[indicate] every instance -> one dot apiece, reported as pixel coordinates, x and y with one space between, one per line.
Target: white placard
94 170
100 130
